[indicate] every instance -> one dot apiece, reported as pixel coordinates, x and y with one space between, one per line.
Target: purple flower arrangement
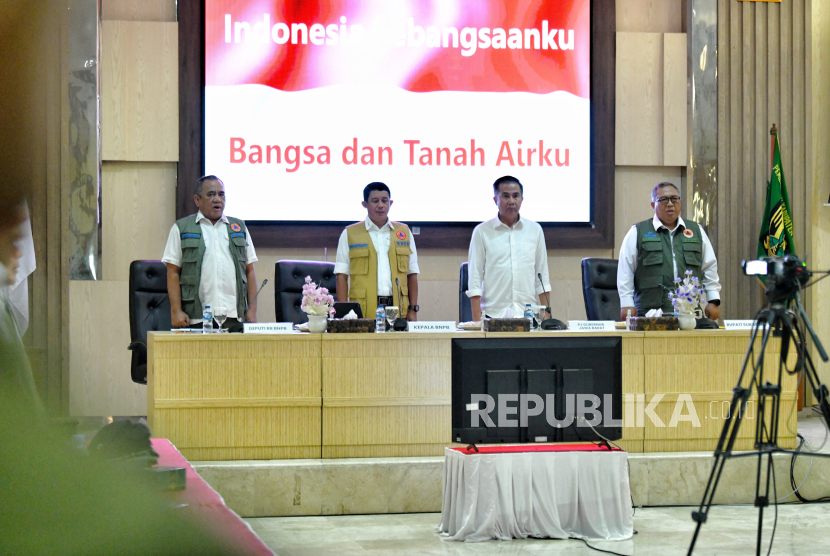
686 298
316 301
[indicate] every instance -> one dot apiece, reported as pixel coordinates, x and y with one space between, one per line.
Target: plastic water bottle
380 319
207 320
628 320
529 314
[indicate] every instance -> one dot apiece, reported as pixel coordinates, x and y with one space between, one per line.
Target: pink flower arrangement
316 301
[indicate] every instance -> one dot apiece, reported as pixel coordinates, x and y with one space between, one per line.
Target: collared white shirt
504 263
380 239
217 287
628 263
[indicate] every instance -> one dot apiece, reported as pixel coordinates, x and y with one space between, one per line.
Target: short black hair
375 186
202 180
660 186
507 179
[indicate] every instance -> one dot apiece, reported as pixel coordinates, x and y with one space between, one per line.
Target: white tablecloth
536 494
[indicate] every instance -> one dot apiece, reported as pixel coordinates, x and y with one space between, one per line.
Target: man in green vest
657 251
376 258
210 261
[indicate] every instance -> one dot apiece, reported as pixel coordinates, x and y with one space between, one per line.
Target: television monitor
579 377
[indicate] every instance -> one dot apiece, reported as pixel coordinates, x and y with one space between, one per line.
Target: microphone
400 323
238 326
550 323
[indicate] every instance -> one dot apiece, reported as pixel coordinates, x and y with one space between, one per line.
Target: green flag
776 239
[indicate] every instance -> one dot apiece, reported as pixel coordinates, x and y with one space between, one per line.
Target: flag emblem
401 235
236 227
688 233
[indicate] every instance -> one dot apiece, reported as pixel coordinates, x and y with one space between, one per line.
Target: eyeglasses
666 200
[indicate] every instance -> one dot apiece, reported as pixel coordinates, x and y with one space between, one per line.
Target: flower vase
317 324
687 321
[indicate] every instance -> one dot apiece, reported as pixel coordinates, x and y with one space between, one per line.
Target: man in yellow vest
210 261
375 279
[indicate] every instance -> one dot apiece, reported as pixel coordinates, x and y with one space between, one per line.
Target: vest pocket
358 295
692 254
190 287
359 261
190 250
654 253
403 302
403 258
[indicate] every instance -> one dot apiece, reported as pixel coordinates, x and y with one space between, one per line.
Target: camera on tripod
785 275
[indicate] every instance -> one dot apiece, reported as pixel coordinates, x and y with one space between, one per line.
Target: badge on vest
651 236
688 233
401 235
236 228
403 243
191 236
238 234
356 245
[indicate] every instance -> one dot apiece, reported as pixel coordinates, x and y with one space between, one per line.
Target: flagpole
773 132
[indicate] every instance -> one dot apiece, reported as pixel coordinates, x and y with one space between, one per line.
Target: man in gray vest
656 251
210 261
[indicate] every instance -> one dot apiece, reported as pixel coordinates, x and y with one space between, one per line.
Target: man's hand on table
179 318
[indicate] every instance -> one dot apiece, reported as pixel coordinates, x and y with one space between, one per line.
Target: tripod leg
762 501
724 448
729 433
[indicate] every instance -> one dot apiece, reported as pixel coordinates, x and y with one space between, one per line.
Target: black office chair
149 311
289 277
599 288
465 308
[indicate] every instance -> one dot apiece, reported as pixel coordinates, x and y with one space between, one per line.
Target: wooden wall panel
99 362
639 93
819 166
144 10
634 185
650 16
139 91
674 99
138 209
762 65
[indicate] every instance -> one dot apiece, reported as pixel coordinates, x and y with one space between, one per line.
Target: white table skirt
556 495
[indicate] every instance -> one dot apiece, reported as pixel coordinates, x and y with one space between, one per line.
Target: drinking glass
219 315
391 316
539 312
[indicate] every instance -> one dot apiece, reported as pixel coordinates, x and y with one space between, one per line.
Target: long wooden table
235 396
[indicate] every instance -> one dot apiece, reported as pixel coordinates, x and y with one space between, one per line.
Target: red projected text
294 156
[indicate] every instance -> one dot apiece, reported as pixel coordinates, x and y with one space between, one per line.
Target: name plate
268 327
432 326
591 325
738 324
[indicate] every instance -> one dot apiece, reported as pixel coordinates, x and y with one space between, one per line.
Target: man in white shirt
210 261
376 257
657 251
507 254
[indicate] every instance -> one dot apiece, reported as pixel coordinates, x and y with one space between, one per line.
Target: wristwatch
415 308
715 302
